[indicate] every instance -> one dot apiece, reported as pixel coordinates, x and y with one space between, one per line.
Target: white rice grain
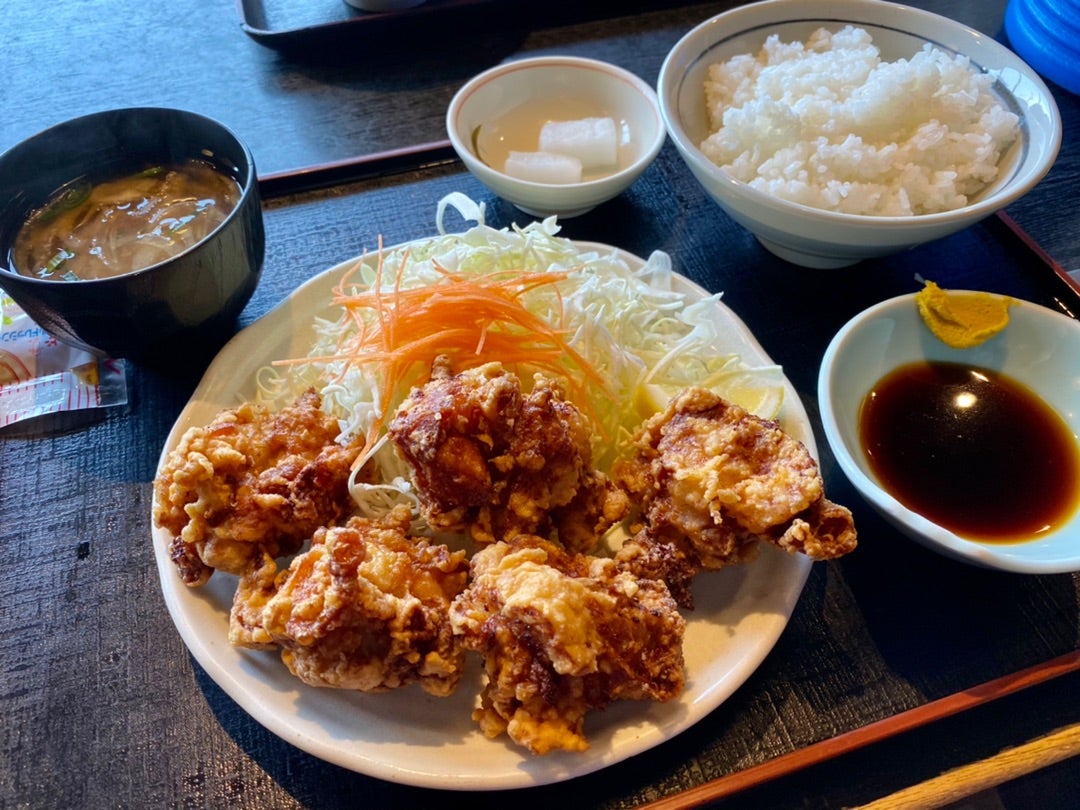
829 124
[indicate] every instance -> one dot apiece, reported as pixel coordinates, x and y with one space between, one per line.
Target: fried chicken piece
714 480
366 607
251 482
562 634
671 560
256 587
496 462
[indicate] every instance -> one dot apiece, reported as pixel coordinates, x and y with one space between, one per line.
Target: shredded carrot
473 319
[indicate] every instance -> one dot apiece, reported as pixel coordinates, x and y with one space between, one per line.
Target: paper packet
40 375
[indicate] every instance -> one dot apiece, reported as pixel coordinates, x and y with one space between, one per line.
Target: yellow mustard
962 319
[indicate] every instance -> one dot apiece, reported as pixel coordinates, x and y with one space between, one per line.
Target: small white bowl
1039 348
537 87
818 238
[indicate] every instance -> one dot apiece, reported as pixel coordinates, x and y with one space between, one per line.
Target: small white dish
818 238
1039 348
529 92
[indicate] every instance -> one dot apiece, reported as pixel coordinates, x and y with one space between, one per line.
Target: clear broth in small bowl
91 230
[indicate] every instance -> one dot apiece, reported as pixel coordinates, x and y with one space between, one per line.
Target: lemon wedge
651 398
759 390
962 319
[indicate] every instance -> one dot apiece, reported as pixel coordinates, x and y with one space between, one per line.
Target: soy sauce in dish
971 450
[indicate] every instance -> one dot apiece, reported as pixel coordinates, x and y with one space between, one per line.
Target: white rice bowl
831 124
817 237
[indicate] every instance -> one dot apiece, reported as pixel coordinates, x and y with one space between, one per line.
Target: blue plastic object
1046 35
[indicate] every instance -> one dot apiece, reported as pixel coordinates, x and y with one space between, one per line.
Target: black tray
291 26
285 24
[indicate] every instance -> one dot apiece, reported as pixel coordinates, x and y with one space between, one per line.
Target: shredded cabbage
633 326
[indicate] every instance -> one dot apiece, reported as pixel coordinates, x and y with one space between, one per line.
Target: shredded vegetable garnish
395 333
621 339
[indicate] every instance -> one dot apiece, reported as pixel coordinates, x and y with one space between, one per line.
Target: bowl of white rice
844 130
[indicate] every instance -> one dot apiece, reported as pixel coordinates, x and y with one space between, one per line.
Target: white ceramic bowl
1039 348
571 87
819 238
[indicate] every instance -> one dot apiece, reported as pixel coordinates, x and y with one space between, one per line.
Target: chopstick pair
985 774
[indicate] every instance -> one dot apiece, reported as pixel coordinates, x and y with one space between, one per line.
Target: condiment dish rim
996 555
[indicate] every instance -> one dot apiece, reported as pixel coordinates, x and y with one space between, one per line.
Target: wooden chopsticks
349 170
967 780
859 738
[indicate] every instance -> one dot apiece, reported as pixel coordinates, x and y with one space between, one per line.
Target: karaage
366 607
714 480
252 481
562 634
492 460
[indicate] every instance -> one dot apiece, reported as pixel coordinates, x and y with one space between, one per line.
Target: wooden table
896 665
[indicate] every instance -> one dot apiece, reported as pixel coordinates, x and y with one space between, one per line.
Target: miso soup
96 230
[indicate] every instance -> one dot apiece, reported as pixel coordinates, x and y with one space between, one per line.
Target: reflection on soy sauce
972 450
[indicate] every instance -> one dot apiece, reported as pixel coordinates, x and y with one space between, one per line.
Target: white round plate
413 738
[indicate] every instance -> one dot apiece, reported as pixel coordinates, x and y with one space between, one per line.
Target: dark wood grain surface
103 706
